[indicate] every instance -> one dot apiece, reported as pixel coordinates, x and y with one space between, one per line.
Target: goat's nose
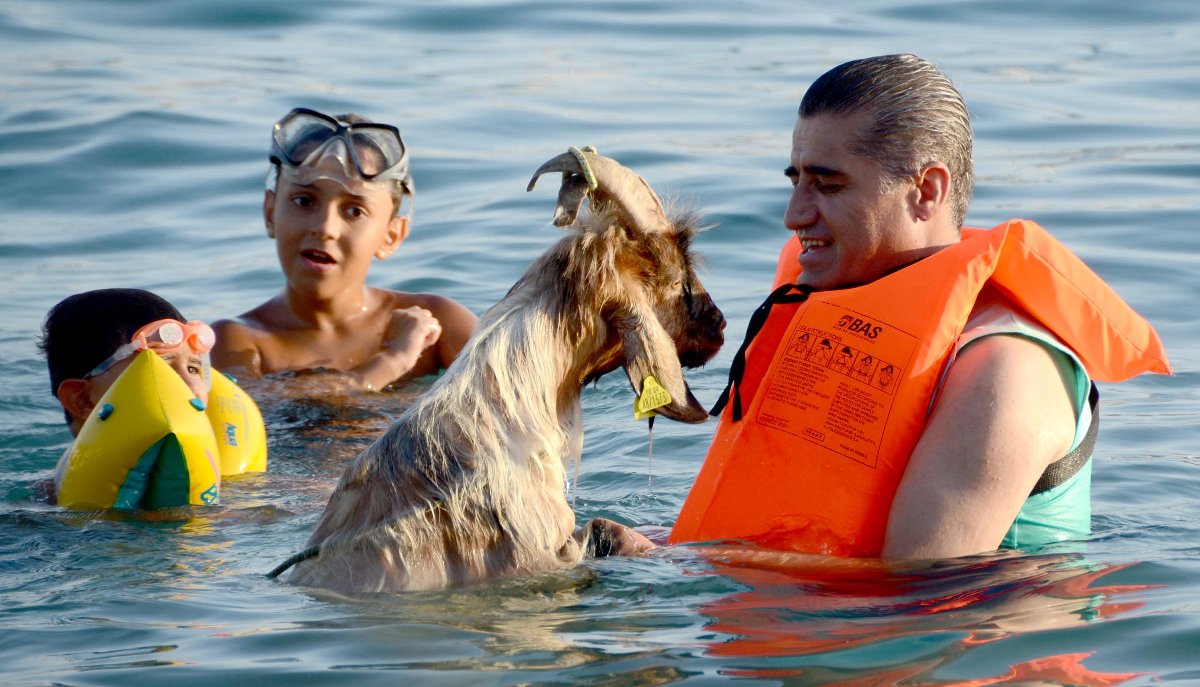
716 319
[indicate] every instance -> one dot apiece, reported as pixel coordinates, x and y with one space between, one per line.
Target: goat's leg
602 537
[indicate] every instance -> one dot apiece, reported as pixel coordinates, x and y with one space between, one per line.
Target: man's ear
397 231
75 395
269 212
933 190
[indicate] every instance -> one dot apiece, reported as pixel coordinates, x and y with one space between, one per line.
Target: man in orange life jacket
965 415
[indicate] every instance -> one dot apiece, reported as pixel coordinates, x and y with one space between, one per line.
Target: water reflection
849 622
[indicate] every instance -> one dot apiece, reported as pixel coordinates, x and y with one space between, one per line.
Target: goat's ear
650 352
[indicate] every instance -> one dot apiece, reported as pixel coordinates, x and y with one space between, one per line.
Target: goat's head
658 316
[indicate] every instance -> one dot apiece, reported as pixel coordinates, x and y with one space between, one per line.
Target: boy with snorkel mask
333 205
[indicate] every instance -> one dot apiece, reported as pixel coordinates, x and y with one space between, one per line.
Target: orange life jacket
827 401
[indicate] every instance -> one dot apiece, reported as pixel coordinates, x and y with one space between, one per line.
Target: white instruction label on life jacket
834 379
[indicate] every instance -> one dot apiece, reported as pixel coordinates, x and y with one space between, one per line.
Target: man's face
853 226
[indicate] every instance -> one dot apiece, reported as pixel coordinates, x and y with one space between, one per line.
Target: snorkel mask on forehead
163 337
307 145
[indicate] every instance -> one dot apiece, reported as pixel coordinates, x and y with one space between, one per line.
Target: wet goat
467 485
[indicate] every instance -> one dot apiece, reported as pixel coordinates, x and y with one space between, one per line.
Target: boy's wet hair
85 329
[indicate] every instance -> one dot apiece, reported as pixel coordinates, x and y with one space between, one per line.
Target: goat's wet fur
468 484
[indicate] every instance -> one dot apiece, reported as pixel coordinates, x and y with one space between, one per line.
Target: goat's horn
586 173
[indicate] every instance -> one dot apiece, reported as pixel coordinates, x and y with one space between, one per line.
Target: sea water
133 141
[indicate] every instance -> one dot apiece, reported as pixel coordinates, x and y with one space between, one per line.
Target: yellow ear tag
653 396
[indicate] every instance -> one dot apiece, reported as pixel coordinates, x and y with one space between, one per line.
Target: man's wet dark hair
915 117
83 330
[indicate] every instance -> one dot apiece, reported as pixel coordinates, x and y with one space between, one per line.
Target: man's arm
1004 414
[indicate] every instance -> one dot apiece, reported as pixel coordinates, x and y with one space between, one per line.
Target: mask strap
206 370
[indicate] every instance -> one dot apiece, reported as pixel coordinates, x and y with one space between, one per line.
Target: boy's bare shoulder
442 307
261 322
240 340
236 329
429 301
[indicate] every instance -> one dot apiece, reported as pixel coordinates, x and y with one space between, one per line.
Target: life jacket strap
1065 468
788 293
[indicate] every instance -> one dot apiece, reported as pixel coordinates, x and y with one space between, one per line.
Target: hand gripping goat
467 484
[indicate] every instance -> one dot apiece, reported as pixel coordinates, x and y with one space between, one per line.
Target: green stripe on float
159 479
171 481
133 488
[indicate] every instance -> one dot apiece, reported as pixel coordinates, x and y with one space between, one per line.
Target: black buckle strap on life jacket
1065 468
783 294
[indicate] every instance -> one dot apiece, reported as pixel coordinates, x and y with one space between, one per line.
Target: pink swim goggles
162 337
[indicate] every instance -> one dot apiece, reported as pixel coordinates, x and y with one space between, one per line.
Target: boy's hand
408 333
411 329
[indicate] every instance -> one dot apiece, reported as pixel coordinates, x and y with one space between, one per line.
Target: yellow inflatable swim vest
150 443
238 426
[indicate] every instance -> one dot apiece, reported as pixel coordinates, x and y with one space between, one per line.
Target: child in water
332 205
90 338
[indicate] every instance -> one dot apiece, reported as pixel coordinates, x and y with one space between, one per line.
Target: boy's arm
236 351
438 327
409 333
457 322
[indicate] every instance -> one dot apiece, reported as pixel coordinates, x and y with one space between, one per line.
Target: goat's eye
687 295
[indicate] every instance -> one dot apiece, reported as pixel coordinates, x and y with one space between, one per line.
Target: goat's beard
693 359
